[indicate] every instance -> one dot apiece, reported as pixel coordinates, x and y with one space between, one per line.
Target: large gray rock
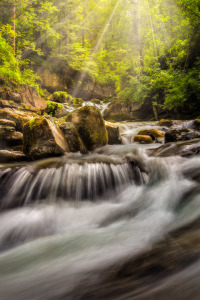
42 138
180 133
113 134
90 126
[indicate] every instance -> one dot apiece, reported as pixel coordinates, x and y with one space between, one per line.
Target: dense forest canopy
149 50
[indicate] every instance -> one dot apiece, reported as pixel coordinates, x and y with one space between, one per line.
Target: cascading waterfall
133 237
71 180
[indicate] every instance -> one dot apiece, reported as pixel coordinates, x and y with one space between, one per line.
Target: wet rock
174 133
113 134
143 139
165 122
11 156
156 135
42 138
180 133
182 148
19 117
72 137
90 126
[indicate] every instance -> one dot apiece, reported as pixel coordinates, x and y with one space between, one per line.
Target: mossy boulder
143 139
72 137
113 134
165 122
152 132
197 124
42 138
90 126
52 107
60 97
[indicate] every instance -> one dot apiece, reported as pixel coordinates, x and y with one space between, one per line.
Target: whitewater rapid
84 227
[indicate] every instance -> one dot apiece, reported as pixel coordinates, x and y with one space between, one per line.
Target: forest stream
115 224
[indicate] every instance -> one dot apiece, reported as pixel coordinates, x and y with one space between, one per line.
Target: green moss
60 96
32 123
77 101
51 107
35 121
197 122
165 122
156 133
24 105
143 139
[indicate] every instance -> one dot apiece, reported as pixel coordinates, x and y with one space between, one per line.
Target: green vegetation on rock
60 97
143 139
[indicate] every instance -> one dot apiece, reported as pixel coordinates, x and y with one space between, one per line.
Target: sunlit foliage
147 49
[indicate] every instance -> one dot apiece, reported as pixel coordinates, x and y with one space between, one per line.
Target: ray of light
152 29
83 74
46 35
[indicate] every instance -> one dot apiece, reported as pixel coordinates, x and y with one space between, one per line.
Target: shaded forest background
143 51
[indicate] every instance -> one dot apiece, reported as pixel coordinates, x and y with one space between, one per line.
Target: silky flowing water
115 224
